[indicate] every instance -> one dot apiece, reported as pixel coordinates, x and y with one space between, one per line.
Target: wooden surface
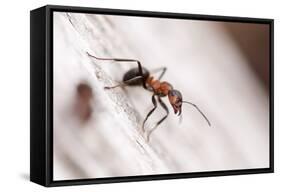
202 62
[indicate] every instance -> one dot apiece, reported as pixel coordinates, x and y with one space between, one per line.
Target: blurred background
222 67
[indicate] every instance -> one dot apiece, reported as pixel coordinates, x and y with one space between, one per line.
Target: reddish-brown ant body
140 76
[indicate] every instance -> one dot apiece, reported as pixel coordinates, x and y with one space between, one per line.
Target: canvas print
137 96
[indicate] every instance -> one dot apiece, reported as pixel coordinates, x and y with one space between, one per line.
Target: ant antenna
199 111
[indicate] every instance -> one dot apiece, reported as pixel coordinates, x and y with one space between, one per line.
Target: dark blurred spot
84 96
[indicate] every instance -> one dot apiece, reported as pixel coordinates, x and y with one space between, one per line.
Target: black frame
41 95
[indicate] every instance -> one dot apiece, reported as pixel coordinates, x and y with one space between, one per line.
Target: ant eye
176 93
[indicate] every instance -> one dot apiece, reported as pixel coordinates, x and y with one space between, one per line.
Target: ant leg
150 112
124 60
164 106
162 69
125 83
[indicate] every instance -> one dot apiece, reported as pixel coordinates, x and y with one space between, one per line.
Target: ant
140 76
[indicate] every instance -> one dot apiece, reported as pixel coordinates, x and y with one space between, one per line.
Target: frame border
50 9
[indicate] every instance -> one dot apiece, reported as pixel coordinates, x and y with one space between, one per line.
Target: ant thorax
159 88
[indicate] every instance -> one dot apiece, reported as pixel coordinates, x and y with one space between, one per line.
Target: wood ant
140 76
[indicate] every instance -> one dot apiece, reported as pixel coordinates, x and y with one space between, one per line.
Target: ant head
175 99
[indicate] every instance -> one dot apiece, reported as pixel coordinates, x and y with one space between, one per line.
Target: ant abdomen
134 78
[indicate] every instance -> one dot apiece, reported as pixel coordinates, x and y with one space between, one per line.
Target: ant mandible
140 76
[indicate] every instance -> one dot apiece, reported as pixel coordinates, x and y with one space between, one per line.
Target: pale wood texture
202 62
